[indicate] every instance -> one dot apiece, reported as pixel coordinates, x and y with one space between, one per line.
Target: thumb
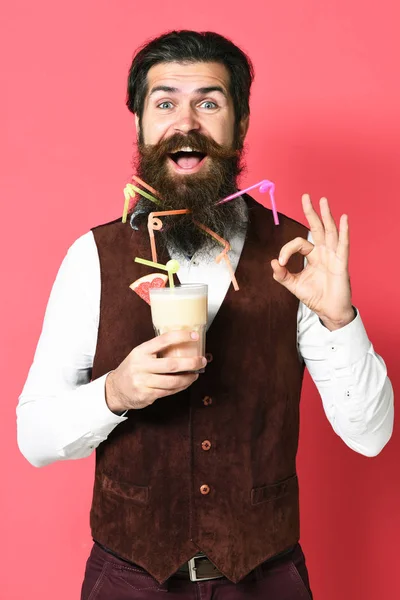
282 275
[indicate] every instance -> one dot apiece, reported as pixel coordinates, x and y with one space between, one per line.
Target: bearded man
196 492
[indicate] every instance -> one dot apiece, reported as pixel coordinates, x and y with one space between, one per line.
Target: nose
187 121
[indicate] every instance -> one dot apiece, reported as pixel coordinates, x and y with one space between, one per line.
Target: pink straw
264 186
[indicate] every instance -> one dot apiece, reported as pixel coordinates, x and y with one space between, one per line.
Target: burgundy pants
109 578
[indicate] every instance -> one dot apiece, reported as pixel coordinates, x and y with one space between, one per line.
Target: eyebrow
200 91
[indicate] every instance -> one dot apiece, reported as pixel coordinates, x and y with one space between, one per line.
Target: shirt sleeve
61 413
352 380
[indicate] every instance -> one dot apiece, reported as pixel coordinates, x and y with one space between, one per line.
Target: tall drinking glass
183 307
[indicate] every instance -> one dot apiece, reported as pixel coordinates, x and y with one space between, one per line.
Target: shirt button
205 489
206 445
333 348
209 357
207 400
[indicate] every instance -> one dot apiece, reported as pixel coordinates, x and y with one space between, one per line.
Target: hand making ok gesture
324 283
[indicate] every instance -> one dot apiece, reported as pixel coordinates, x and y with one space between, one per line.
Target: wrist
113 398
342 321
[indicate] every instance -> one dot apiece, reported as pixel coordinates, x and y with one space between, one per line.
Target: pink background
325 119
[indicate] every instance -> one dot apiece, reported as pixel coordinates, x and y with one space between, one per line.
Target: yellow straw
145 194
150 263
128 195
171 269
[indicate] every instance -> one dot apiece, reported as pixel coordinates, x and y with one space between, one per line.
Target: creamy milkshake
182 307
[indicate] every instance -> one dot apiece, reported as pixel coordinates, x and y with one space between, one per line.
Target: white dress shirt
62 414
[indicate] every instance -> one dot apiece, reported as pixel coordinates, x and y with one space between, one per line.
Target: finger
173 365
316 226
170 382
297 245
160 342
283 276
331 232
343 247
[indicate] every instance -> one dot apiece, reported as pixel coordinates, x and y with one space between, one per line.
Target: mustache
196 141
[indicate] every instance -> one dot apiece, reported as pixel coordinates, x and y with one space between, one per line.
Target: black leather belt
199 568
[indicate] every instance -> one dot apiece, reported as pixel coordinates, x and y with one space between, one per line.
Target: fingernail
281 261
194 335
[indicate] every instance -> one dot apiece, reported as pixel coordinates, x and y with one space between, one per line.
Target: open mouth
187 159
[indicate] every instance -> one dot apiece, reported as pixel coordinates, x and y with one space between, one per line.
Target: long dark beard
199 193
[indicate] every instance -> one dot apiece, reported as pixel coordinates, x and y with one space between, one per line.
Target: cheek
153 131
222 132
223 136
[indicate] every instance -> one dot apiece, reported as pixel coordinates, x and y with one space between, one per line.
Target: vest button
209 357
205 489
207 400
206 445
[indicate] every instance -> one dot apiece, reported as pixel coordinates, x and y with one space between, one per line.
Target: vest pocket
267 493
137 493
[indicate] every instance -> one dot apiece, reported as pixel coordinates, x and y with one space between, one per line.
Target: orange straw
145 185
154 224
224 253
231 273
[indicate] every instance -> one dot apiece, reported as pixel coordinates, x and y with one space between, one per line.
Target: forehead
187 77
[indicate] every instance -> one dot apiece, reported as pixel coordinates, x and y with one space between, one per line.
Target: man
196 490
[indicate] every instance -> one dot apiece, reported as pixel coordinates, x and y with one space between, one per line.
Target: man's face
184 98
190 149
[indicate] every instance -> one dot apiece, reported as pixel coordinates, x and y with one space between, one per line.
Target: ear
243 127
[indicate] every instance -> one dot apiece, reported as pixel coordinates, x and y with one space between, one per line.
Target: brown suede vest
147 504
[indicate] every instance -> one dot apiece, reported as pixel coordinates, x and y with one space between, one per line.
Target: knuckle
134 356
172 365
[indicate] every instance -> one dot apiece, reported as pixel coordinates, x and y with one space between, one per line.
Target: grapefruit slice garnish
142 286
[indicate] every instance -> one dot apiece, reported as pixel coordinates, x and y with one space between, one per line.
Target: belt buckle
193 570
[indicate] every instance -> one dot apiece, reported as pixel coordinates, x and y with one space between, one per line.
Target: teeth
186 149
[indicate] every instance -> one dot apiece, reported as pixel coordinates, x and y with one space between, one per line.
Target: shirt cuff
102 420
347 345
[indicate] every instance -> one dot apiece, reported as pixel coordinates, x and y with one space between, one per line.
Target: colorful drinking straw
224 253
171 267
264 186
154 224
128 194
145 185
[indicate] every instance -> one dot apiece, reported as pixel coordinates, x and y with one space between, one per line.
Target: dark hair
188 47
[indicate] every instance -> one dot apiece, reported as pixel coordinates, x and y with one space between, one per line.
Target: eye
165 105
208 104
